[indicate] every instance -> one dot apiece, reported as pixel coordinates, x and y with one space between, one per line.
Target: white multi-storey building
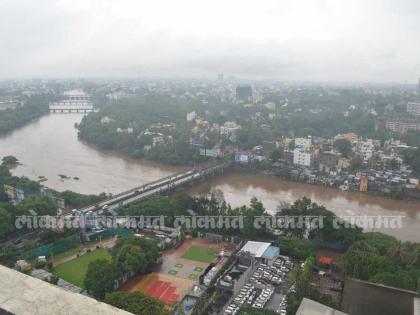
303 143
301 157
413 108
366 148
191 116
229 129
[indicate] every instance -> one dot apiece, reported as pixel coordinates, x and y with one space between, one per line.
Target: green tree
343 146
253 311
134 256
100 278
7 254
363 261
9 160
136 303
5 223
301 278
356 164
296 247
380 241
41 205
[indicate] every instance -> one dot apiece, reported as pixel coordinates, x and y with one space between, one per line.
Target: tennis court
169 289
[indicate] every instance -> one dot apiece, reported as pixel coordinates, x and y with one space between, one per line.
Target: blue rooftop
271 252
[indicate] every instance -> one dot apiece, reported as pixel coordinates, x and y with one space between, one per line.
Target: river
239 189
49 147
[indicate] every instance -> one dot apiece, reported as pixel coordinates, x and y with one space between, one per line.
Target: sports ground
74 271
199 253
179 271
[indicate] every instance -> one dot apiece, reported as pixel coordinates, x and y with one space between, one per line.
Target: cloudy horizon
315 40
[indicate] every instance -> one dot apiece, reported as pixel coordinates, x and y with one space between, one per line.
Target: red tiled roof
325 260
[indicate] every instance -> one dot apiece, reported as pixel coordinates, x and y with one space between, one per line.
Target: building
327 161
260 250
118 95
365 149
229 129
24 294
402 125
363 184
270 106
367 298
106 120
413 108
351 137
301 157
242 157
191 116
303 143
214 152
8 105
243 92
310 307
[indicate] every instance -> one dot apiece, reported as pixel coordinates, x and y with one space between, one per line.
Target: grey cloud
300 40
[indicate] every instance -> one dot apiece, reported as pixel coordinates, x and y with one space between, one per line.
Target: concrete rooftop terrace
21 294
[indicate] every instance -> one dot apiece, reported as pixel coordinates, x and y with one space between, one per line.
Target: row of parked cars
283 304
265 275
246 295
263 298
283 263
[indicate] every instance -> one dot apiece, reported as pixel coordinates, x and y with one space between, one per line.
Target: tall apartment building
413 108
301 157
303 143
243 92
401 125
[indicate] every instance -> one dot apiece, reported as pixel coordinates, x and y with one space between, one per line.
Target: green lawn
199 253
74 270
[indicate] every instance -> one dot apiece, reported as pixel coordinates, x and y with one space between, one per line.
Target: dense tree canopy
296 247
34 107
9 160
343 146
253 311
330 228
100 278
5 223
136 303
301 279
134 256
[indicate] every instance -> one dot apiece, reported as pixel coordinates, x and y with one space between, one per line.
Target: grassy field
74 270
202 254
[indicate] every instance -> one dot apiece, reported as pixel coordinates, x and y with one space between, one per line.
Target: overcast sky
317 40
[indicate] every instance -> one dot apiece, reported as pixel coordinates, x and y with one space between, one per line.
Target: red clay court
163 291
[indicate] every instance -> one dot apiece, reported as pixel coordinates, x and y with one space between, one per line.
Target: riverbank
238 189
242 169
49 146
13 119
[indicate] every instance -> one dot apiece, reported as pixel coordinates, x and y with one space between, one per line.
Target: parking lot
266 288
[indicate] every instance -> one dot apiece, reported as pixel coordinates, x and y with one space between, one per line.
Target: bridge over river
156 188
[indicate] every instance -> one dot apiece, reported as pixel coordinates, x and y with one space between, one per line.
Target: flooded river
239 189
49 147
